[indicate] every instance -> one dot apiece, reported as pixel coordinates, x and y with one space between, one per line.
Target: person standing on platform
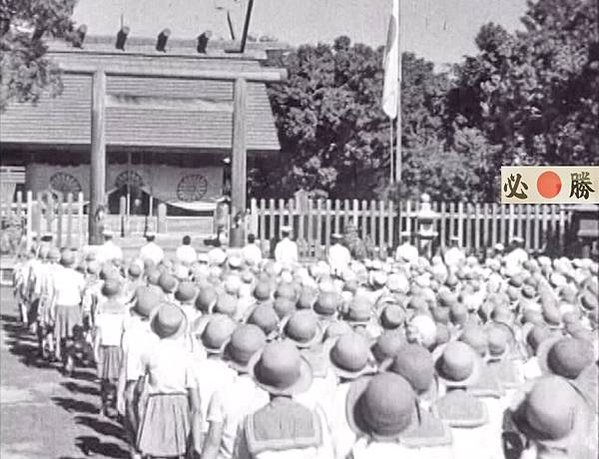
339 256
109 251
151 251
186 254
251 253
516 257
286 252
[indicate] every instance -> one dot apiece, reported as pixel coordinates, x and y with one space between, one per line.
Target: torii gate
98 123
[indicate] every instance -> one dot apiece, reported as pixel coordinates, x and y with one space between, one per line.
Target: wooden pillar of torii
98 124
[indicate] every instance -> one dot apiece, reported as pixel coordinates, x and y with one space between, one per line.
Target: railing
477 226
62 216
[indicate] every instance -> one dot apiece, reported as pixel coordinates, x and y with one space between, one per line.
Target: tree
24 27
535 94
334 136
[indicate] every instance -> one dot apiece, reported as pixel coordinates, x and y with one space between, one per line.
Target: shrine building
167 139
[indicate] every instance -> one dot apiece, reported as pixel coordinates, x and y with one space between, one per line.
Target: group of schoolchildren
227 354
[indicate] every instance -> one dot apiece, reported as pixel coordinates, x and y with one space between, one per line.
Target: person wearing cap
170 402
109 326
251 253
406 252
383 412
42 292
339 256
284 428
454 256
286 252
137 337
415 363
350 358
551 420
458 367
213 372
216 255
151 251
67 286
133 280
108 251
185 253
516 257
230 404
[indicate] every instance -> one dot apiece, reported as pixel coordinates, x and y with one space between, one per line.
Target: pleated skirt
109 362
67 318
165 427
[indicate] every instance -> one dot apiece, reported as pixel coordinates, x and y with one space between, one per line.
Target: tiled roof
66 119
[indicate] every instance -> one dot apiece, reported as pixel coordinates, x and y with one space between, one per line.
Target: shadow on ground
78 395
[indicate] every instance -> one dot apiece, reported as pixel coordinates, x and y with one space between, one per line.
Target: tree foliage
529 97
24 27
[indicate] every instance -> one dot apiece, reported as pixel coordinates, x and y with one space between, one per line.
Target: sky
440 30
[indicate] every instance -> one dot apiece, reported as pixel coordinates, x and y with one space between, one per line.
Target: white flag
391 64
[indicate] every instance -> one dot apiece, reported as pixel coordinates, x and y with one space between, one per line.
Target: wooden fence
46 212
478 226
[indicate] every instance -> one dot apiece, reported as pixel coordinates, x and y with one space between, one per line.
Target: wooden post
97 176
70 220
262 220
239 154
29 220
80 220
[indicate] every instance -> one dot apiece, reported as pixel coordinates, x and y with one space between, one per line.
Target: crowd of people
229 354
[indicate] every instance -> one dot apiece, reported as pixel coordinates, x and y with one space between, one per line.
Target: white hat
107 233
286 229
203 257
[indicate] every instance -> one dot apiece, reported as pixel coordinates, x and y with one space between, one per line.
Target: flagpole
398 149
391 159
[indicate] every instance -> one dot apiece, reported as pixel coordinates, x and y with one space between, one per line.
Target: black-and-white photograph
299 229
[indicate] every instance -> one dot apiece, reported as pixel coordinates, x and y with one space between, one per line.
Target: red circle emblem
549 184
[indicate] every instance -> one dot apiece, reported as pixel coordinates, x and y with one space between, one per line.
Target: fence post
461 223
337 216
390 226
381 211
253 217
161 213
28 220
310 227
318 246
69 219
327 226
80 225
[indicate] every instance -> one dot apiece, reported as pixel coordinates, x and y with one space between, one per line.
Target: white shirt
169 367
286 252
252 254
109 251
514 260
339 258
151 251
211 375
110 328
406 251
68 286
186 254
230 405
137 338
454 256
